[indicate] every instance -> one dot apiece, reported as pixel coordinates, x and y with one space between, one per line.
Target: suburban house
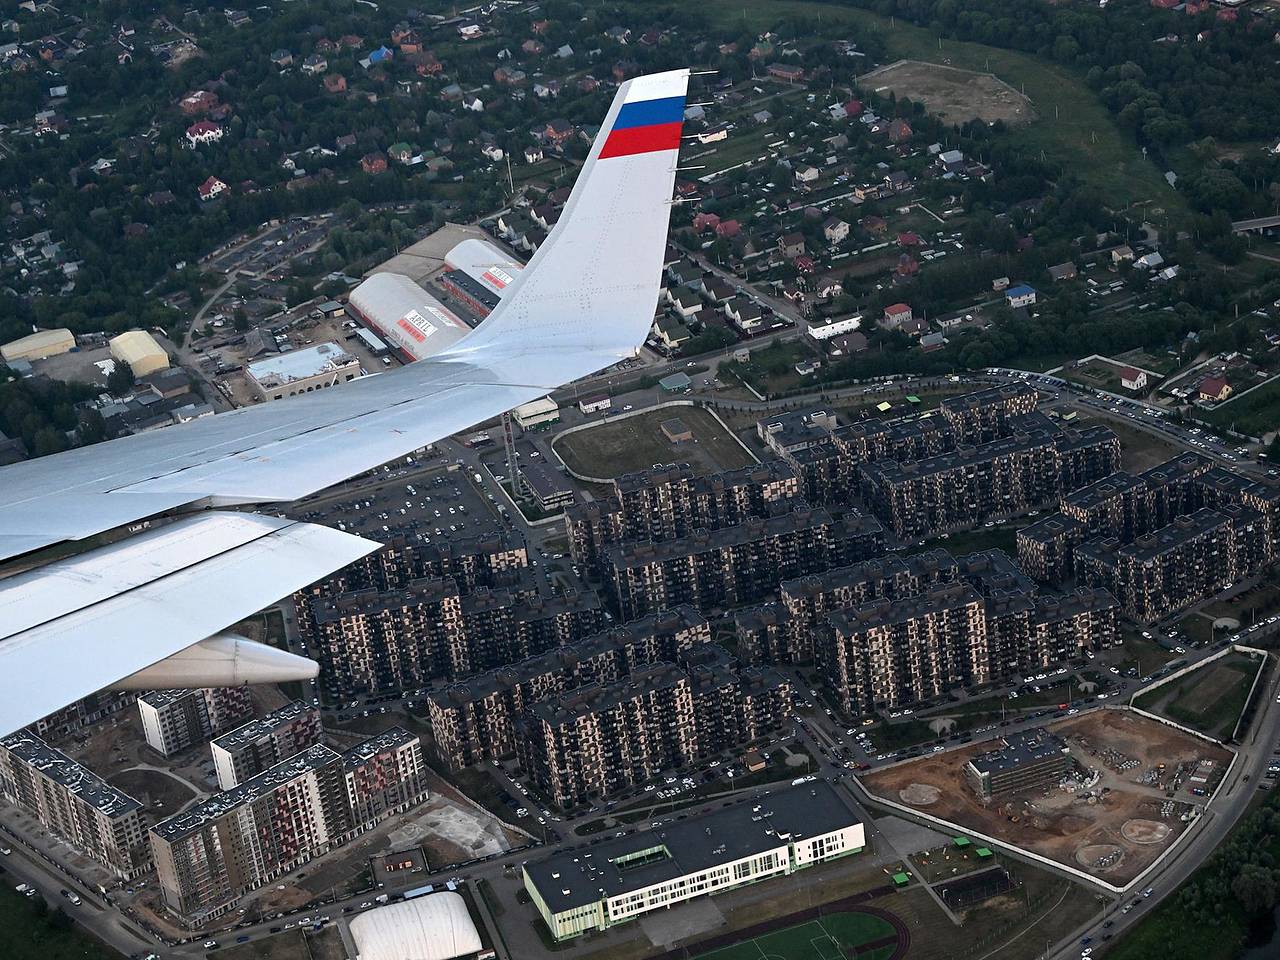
671 333
1020 296
205 131
791 245
1132 379
835 230
211 189
375 162
1214 389
1063 271
896 314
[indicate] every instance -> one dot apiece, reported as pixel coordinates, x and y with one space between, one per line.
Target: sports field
840 936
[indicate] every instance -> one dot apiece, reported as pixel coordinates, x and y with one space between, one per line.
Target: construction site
1128 789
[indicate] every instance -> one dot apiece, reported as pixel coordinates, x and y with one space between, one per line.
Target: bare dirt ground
952 94
1114 829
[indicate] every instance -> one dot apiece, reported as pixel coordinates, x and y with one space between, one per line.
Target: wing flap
88 622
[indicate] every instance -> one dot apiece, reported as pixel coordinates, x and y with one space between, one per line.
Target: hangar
406 316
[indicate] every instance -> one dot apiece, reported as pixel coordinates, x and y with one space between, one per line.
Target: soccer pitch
840 936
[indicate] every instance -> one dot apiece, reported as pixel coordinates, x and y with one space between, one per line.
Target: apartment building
581 890
384 775
213 853
175 720
670 502
888 653
477 719
1178 564
74 804
795 430
1024 762
1119 505
596 740
248 750
487 560
85 712
369 640
1009 475
987 415
735 565
1046 548
1174 490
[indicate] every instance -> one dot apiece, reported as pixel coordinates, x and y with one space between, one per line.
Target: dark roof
577 877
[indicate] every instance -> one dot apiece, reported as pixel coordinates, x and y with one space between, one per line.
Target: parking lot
429 503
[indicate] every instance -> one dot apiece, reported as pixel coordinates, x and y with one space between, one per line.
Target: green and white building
598 886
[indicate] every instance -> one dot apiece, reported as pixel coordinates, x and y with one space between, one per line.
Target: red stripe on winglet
632 140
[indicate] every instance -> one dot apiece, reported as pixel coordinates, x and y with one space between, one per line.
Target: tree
120 379
1255 888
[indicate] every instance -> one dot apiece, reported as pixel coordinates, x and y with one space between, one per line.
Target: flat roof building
301 371
601 885
536 413
1027 760
74 803
248 750
548 486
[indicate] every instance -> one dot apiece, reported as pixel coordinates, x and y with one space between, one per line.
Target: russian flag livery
645 126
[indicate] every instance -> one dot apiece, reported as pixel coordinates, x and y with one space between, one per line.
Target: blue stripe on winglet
647 113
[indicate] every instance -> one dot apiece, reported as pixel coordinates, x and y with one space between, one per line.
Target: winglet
592 287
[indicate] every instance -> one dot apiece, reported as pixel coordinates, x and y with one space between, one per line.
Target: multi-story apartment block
384 775
1046 548
477 719
623 878
892 652
597 740
75 804
489 560
795 430
379 641
1179 564
221 848
83 713
986 415
1008 475
248 750
1119 505
212 853
174 720
1174 490
768 634
1219 488
889 652
670 502
867 441
735 565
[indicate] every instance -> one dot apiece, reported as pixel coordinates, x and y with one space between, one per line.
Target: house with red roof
206 131
211 189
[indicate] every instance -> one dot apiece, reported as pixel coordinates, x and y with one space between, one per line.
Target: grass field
1004 537
954 95
24 935
830 938
1210 699
636 443
1074 129
1255 414
1139 449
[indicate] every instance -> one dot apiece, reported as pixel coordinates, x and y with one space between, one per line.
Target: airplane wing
584 301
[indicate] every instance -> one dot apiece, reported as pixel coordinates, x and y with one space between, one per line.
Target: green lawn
1073 128
1254 414
814 940
24 935
1210 699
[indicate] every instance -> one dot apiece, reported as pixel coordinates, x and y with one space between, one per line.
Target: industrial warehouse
597 887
